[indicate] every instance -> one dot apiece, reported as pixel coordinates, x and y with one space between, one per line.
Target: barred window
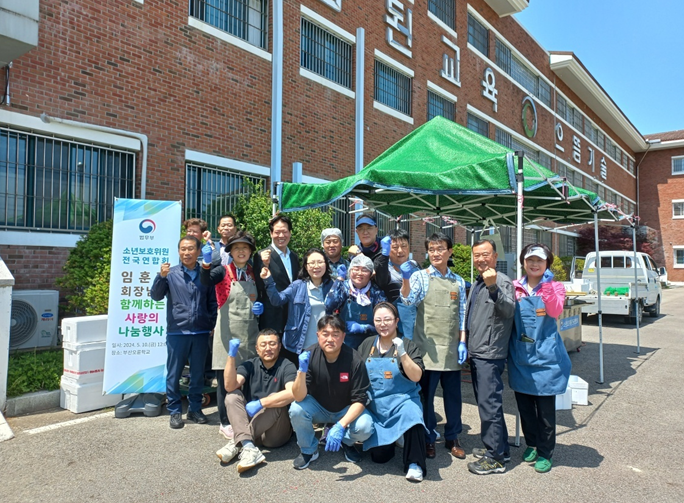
503 138
529 151
524 76
545 160
600 139
631 166
576 119
325 54
211 192
561 107
478 35
445 10
51 183
589 131
544 92
440 106
392 88
503 56
245 19
478 125
592 186
618 155
624 160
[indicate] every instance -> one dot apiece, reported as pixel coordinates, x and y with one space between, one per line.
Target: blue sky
634 49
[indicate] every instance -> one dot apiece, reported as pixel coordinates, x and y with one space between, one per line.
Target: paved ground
623 447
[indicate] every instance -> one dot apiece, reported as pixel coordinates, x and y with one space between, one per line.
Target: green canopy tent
444 169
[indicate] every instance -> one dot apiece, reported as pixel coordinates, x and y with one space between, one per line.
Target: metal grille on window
445 10
624 160
478 35
529 151
440 106
577 119
51 183
589 131
561 107
544 92
387 223
524 76
325 54
211 192
392 88
545 160
600 140
503 56
245 19
503 138
631 166
478 125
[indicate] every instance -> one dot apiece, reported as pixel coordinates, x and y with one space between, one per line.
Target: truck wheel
654 312
639 308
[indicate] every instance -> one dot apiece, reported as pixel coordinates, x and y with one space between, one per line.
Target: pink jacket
551 292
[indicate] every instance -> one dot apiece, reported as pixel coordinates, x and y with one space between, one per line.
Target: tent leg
598 296
636 285
518 250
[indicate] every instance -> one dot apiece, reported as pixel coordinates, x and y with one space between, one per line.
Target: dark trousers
221 397
414 449
289 355
488 388
451 387
179 349
538 421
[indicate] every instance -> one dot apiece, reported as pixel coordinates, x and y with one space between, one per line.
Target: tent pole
472 242
636 285
518 248
598 296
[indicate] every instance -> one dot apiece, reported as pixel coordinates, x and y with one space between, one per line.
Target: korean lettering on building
399 20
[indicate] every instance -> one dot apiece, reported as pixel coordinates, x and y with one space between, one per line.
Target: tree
617 238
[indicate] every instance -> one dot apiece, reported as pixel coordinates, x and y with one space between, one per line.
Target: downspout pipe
104 129
277 97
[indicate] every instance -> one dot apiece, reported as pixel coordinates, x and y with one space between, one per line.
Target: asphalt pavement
622 447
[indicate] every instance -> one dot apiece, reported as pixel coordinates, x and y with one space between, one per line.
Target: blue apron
394 400
538 363
352 311
407 318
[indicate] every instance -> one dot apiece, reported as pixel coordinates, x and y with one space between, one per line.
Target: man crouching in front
259 391
331 387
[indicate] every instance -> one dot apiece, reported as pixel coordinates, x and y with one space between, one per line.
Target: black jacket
274 317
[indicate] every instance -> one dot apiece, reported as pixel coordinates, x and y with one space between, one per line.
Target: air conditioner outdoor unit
33 321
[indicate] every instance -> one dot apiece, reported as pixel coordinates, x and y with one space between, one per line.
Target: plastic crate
564 401
580 390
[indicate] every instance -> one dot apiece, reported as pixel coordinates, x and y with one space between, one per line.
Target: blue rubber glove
304 361
233 347
462 353
356 328
406 269
334 440
342 271
257 308
253 407
386 245
206 254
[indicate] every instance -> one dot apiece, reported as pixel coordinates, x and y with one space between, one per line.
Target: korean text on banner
145 236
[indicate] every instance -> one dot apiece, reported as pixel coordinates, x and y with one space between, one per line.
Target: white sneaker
226 431
414 473
249 458
228 452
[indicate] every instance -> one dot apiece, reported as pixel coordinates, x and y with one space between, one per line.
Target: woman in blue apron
538 364
394 367
354 298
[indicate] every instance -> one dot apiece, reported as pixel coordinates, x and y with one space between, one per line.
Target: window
576 118
561 107
503 138
325 54
624 160
600 139
545 160
478 125
392 88
57 184
529 151
445 10
478 35
630 167
211 192
524 76
677 209
679 257
590 131
245 19
440 106
545 93
503 56
677 165
618 155
387 223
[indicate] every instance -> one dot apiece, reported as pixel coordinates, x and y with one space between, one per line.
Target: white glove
399 343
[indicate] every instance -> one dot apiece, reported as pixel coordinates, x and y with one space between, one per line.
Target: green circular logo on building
529 117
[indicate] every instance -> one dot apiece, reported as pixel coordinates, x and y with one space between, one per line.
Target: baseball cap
366 220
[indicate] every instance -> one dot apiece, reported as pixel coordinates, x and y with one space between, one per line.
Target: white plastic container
84 363
564 401
580 390
78 397
84 329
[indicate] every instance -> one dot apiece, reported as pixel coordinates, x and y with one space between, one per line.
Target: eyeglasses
384 321
317 263
484 255
437 250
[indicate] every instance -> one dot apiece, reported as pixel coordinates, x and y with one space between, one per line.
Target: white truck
619 294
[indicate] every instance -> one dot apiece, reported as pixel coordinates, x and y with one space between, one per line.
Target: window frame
441 13
480 120
474 39
678 159
675 249
398 71
675 203
347 80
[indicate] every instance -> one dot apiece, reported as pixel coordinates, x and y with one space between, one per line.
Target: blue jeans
451 388
304 414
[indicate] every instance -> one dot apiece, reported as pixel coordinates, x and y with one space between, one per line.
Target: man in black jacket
284 266
190 316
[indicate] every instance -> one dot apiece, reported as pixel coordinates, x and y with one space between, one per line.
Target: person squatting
355 348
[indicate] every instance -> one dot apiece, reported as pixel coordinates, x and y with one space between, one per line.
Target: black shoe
176 421
304 460
479 452
351 454
197 417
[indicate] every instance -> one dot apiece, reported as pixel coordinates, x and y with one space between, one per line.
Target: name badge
344 377
388 374
252 297
541 311
454 295
363 317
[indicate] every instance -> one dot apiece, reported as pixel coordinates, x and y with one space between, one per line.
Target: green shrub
86 271
35 371
559 272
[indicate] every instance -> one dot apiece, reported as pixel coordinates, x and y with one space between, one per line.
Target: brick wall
34 267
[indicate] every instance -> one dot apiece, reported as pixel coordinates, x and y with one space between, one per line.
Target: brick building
186 99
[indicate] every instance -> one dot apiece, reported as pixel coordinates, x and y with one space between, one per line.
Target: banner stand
148 404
